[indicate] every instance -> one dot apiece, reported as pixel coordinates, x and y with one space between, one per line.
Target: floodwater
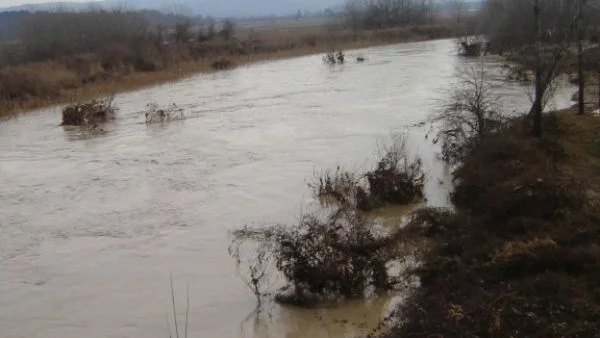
92 226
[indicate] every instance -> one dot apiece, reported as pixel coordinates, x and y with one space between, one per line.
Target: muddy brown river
93 225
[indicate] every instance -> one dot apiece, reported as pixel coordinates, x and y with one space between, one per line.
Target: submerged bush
396 179
89 113
471 46
341 188
323 258
342 254
332 58
155 114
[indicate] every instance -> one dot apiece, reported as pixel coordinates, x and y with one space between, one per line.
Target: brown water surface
92 225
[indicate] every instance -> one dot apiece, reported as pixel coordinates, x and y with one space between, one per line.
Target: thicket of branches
396 178
335 252
471 112
331 257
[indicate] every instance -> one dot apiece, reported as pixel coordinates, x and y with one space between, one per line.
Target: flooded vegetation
89 113
434 189
162 198
396 179
156 114
337 252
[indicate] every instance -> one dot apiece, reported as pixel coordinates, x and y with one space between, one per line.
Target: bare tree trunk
539 90
581 102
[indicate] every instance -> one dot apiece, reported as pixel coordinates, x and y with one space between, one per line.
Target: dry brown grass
518 248
82 78
580 138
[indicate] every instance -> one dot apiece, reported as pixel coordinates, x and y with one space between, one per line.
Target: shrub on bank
519 255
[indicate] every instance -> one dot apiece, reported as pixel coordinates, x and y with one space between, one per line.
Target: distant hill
52 6
217 8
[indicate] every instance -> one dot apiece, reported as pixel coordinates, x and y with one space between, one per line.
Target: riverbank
519 255
39 85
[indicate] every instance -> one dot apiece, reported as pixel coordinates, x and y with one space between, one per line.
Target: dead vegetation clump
337 256
333 58
156 114
337 252
89 113
471 46
340 187
396 179
519 256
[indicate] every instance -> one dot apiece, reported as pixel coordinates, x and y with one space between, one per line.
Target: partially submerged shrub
323 258
155 114
89 113
223 64
341 188
471 46
332 58
396 179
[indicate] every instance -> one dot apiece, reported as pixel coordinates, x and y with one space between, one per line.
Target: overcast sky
8 3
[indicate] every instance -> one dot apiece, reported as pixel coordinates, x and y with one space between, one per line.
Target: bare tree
211 31
581 80
539 34
227 30
457 8
182 32
551 45
470 114
539 86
